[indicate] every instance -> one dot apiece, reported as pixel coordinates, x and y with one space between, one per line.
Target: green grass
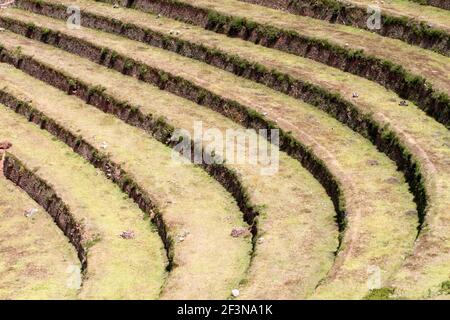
380 294
276 194
351 158
373 99
179 196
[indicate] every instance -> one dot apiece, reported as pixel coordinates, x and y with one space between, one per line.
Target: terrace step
444 4
116 268
413 23
191 202
427 83
427 142
432 66
347 155
37 260
295 210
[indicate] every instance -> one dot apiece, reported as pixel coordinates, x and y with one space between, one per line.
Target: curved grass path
390 62
36 259
347 154
436 17
117 268
413 23
190 201
295 208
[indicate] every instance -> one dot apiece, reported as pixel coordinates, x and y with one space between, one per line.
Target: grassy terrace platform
347 154
426 139
432 66
364 170
116 268
295 208
434 16
190 41
342 47
416 24
188 200
38 263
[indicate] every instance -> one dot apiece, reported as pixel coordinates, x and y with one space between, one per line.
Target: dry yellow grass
36 259
377 233
424 137
117 268
295 208
375 206
190 200
432 66
438 18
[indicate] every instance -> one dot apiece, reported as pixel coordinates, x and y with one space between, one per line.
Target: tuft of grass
445 287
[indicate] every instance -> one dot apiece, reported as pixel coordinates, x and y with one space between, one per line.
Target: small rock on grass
372 162
403 103
239 232
127 235
31 212
235 293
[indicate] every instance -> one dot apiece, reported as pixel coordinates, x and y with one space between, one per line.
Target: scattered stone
31 212
238 232
355 95
235 293
2 29
346 44
372 162
104 145
158 16
429 25
127 235
261 240
392 180
115 6
5 145
412 213
265 113
403 103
